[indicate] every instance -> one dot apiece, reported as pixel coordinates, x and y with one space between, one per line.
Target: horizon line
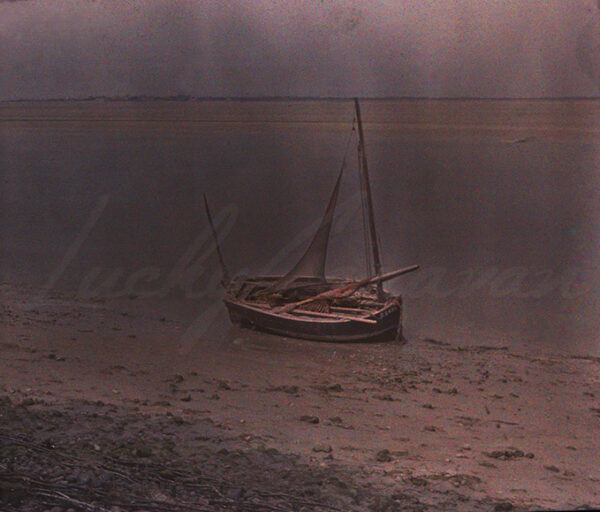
185 97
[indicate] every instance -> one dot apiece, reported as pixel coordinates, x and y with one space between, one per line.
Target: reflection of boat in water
304 303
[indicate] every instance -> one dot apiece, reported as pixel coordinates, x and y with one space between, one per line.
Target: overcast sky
508 48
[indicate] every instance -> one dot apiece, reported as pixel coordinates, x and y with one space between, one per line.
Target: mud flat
105 405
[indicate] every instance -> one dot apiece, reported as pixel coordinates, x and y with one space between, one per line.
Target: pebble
383 456
322 448
554 469
509 454
309 419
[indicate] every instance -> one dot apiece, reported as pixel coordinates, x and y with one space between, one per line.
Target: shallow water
497 200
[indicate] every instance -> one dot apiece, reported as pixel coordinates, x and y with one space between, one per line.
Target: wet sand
423 426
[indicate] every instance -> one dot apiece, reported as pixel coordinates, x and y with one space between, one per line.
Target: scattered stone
309 419
336 388
178 420
385 398
336 420
322 448
462 480
290 390
554 469
384 456
418 481
504 507
508 454
428 406
222 384
487 464
187 398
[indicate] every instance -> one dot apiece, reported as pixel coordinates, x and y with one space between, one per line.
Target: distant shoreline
250 99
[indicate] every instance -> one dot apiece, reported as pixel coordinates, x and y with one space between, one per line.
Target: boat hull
386 324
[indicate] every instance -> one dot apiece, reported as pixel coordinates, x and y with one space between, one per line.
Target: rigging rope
348 144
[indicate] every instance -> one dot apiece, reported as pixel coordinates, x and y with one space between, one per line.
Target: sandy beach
103 408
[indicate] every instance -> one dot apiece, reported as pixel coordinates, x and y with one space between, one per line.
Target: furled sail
312 263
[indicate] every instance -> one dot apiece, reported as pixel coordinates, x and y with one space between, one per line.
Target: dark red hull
384 324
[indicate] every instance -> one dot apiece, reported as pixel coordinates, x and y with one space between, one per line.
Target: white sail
312 263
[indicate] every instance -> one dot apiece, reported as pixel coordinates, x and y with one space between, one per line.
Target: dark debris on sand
91 456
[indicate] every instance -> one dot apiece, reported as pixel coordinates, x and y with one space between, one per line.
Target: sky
416 48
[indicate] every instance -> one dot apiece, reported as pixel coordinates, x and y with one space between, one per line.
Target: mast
369 200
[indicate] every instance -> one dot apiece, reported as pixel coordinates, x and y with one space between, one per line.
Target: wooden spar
225 280
335 317
306 312
367 189
348 289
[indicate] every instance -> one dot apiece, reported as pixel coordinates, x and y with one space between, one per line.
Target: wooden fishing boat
304 303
